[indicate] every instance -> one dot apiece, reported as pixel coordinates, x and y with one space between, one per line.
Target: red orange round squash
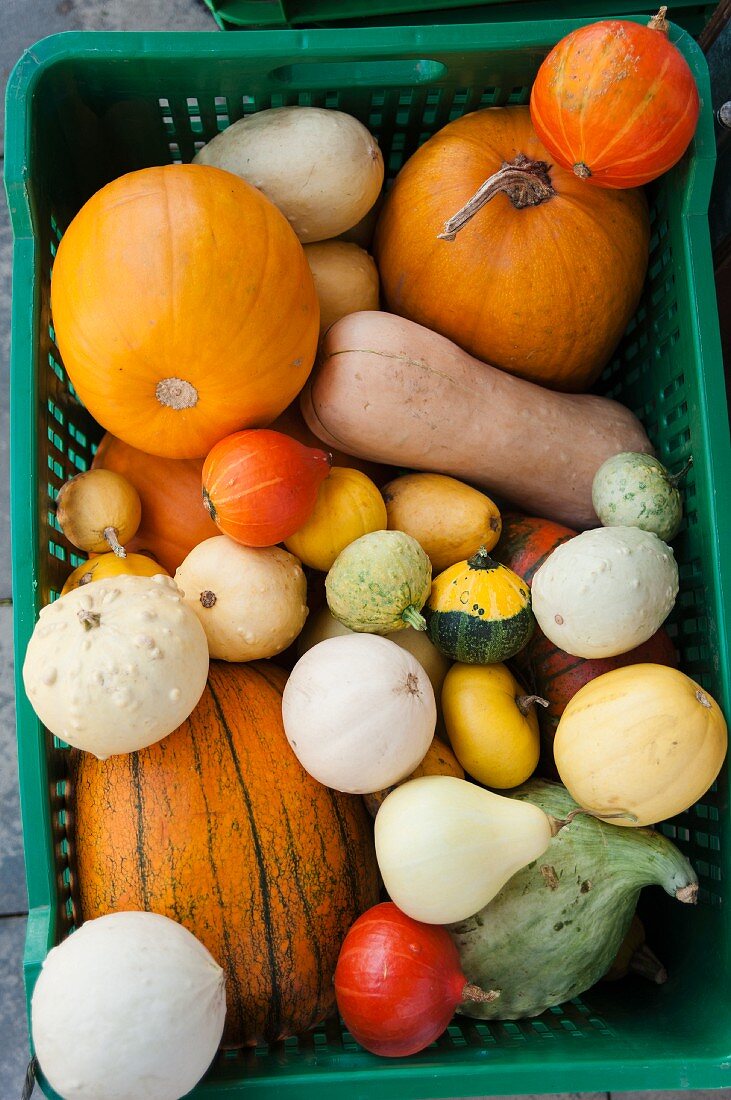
526 541
173 517
184 308
541 281
616 102
219 827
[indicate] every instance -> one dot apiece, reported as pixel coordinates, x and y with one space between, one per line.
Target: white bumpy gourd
114 666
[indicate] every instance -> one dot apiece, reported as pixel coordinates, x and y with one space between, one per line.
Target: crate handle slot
370 74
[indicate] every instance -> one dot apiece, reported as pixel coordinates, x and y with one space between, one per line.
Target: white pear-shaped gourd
251 600
359 712
445 847
605 591
129 1007
116 665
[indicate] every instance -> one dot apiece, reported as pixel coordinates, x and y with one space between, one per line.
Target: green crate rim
435 1076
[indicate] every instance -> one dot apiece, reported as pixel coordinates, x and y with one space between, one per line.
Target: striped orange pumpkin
219 827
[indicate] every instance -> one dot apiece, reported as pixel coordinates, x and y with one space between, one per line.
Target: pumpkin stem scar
525 702
209 505
582 171
688 894
412 684
208 598
176 393
526 182
703 699
88 619
110 534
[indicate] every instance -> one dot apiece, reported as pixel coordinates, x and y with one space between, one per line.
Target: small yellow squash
109 565
645 741
348 506
491 723
439 760
449 519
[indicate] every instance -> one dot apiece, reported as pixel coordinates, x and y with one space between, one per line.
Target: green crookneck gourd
379 583
635 490
555 927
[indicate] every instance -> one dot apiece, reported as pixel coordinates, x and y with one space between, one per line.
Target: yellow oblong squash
109 565
348 506
491 723
449 519
644 741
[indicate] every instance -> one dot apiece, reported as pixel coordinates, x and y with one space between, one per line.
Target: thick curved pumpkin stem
526 182
659 22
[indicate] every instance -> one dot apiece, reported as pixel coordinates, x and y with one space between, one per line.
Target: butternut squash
390 390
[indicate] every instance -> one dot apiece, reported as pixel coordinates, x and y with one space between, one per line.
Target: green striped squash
479 611
219 827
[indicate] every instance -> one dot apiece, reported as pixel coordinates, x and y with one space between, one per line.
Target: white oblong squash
445 847
323 169
129 1007
251 601
359 712
116 665
605 591
643 740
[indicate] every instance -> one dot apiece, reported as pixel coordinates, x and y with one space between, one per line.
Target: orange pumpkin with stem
184 308
616 102
484 241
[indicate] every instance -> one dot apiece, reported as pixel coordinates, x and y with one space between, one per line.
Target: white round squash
605 591
116 665
323 624
129 1007
323 169
346 279
359 713
251 601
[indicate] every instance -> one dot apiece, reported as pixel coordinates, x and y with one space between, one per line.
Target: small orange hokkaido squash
615 102
184 308
486 242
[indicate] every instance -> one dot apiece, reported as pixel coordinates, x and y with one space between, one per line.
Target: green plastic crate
82 109
243 14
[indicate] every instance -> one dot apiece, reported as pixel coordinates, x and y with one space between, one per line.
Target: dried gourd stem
525 702
659 22
86 578
209 505
110 534
675 479
411 616
208 598
688 894
30 1079
526 183
558 823
476 995
646 963
703 699
88 619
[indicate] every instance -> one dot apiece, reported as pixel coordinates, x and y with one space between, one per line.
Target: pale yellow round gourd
643 741
323 169
449 520
251 601
346 279
116 665
99 510
348 506
323 624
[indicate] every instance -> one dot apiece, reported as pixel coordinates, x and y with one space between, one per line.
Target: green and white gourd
556 926
379 583
635 490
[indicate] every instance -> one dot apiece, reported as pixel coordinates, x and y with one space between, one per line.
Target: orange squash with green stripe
219 827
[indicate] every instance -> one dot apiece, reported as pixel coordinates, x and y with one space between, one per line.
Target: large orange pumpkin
541 280
219 827
173 517
615 102
184 308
